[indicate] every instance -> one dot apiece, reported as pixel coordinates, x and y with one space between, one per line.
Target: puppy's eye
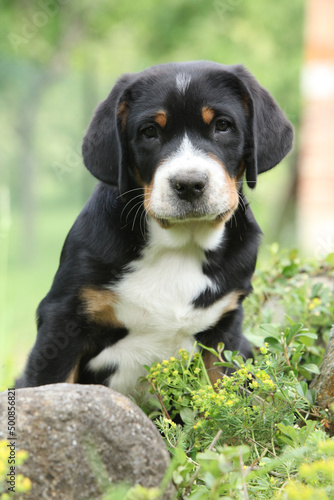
150 132
223 125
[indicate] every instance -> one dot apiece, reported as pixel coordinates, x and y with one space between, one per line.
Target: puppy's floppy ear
271 133
102 147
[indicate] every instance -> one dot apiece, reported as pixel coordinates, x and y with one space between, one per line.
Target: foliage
290 289
22 484
244 406
258 433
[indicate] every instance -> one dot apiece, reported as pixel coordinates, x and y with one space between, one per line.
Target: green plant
289 289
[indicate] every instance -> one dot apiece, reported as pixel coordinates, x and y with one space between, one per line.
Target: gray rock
82 438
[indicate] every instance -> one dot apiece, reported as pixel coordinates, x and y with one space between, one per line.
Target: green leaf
302 388
311 396
228 355
271 330
188 416
312 368
288 434
274 344
297 353
306 334
290 320
180 456
210 349
316 289
225 364
293 331
177 478
290 270
220 347
154 402
207 455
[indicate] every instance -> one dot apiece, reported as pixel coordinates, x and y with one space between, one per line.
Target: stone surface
81 438
324 382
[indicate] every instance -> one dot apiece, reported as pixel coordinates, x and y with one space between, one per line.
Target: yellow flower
23 484
314 303
263 350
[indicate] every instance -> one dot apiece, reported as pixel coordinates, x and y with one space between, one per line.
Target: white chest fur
154 302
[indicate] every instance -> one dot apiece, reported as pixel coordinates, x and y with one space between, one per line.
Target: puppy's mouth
167 221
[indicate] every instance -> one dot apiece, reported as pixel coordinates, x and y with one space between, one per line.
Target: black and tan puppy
164 251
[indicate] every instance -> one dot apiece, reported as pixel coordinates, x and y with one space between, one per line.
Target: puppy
164 251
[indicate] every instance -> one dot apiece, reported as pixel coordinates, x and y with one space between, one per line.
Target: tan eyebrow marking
161 118
207 114
122 111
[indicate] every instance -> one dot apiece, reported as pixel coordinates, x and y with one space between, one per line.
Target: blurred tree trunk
315 201
26 125
27 114
324 382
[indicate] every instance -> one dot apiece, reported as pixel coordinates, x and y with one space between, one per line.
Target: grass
24 285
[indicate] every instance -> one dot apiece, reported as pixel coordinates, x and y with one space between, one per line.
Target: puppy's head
186 133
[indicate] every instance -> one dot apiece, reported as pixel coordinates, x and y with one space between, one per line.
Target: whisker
128 192
138 204
142 223
134 219
128 203
242 203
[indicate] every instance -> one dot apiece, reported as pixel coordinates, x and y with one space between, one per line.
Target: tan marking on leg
122 111
207 114
99 306
161 118
215 372
73 377
233 302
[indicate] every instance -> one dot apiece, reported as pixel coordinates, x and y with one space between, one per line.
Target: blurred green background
58 59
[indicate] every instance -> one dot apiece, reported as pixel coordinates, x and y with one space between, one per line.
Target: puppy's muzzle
190 186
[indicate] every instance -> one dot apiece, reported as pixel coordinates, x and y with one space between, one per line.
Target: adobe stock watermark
30 26
224 6
73 155
71 161
59 342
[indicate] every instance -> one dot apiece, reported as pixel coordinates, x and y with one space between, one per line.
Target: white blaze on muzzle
190 182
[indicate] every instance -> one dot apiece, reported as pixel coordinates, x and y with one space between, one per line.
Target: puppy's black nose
189 186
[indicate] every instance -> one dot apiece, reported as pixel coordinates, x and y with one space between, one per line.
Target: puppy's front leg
56 354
